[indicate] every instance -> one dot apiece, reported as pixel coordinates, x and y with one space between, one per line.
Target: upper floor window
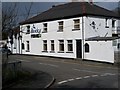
28 29
70 45
44 27
113 23
76 24
106 23
60 27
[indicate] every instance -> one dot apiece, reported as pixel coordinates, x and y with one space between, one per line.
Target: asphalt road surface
73 74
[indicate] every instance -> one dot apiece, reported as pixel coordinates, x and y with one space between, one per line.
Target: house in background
72 30
13 42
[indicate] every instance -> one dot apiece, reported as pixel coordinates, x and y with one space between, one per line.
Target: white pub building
71 30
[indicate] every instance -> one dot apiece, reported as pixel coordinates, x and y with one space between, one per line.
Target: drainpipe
83 36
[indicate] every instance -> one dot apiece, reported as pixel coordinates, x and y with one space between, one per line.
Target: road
73 74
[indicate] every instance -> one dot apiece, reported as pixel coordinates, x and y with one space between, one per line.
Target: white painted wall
100 51
100 29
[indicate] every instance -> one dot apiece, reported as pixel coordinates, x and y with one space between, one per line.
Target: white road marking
62 82
70 79
23 60
103 75
78 78
94 75
86 77
86 71
49 64
110 74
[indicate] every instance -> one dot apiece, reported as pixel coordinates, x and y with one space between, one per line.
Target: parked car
4 50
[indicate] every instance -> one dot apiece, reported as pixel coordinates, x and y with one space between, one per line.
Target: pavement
37 80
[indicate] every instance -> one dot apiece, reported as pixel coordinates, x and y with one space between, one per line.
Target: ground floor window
28 46
86 47
61 45
44 45
70 45
52 45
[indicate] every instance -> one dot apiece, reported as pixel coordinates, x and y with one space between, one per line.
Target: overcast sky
38 7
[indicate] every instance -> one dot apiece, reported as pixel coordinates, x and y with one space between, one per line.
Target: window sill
44 31
27 33
52 51
69 52
60 51
59 30
106 26
75 29
45 51
27 51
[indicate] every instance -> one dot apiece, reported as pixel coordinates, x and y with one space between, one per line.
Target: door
79 48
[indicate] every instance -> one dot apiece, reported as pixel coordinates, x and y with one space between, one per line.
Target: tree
117 10
9 19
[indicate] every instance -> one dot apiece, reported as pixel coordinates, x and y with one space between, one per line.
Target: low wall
117 56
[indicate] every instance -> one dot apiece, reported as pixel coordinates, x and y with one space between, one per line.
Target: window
61 45
23 47
106 23
44 45
114 42
28 47
113 23
28 30
44 27
70 45
76 24
52 45
60 26
86 47
35 35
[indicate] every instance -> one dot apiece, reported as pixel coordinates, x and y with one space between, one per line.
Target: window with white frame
113 23
87 49
114 42
23 47
52 45
44 45
70 45
45 27
106 23
28 46
61 45
28 29
60 27
76 24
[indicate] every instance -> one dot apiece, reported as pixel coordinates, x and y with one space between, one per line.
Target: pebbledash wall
90 26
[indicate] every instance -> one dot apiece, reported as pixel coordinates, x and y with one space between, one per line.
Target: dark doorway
79 48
